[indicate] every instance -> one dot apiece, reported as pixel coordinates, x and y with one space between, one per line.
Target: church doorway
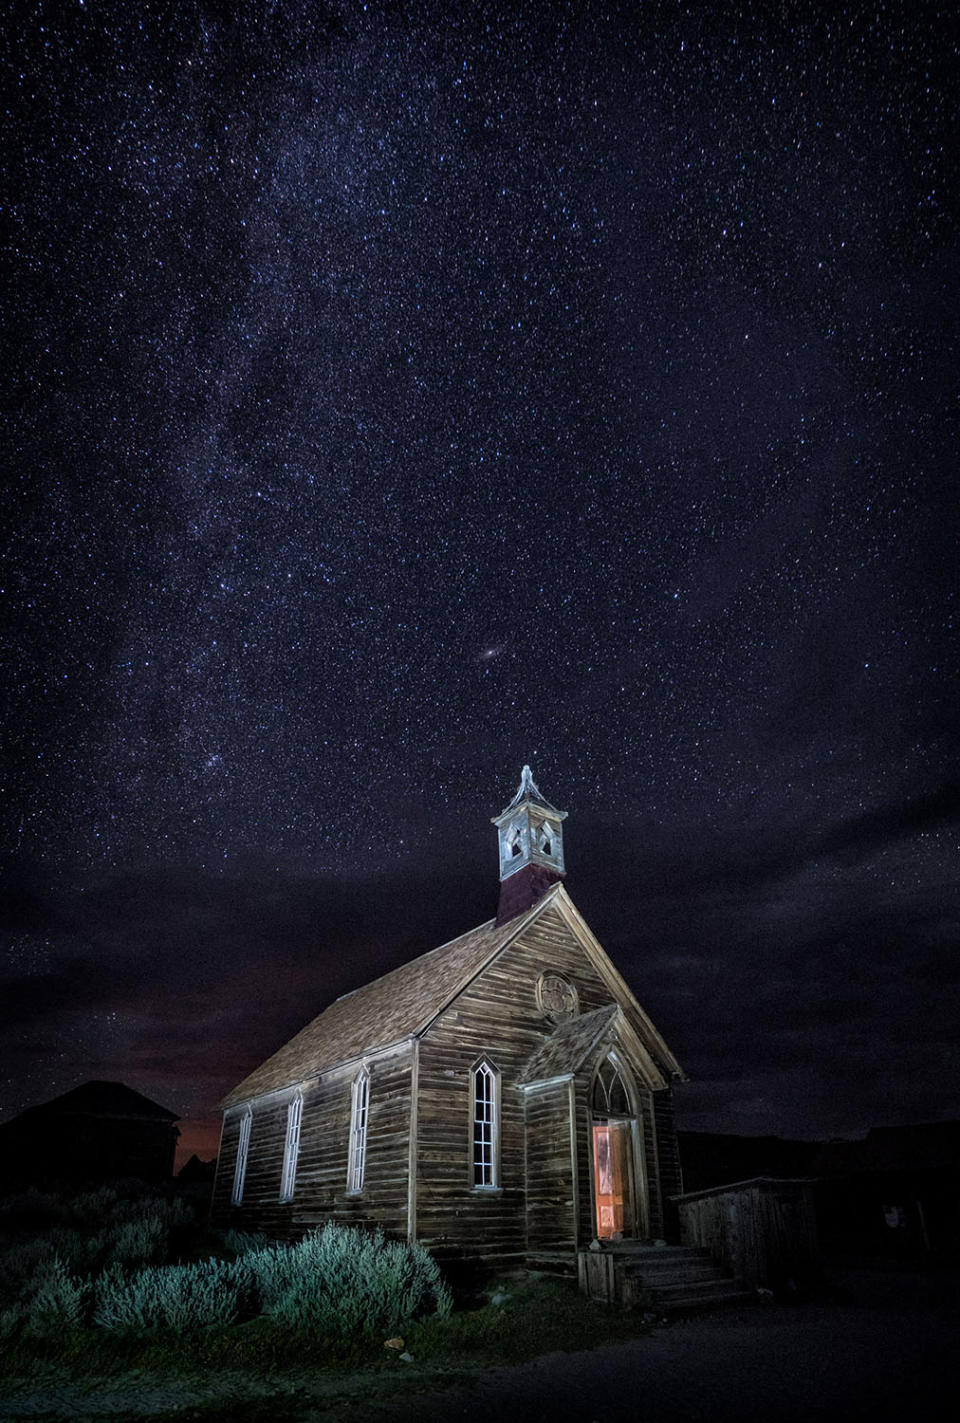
612 1142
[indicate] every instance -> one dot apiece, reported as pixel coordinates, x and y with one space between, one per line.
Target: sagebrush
85 1233
177 1297
104 1262
341 1281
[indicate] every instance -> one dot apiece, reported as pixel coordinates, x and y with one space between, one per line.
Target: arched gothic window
243 1146
291 1148
485 1125
609 1094
358 1131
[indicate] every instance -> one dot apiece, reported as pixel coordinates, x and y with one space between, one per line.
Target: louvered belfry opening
530 835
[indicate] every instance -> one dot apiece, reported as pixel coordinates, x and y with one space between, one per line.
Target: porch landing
669 1279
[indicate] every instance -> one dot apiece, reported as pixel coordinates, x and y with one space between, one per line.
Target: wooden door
611 1179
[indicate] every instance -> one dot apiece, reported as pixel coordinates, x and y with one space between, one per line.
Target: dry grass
262 1370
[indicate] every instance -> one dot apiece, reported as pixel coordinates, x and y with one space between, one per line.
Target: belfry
530 833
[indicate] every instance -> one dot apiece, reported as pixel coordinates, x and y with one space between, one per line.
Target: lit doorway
612 1141
611 1179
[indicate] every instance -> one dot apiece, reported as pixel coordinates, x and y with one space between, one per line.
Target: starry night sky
399 393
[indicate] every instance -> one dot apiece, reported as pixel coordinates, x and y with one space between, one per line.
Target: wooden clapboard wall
418 1179
320 1192
498 1016
550 1174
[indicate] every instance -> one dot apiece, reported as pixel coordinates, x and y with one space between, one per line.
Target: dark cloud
773 979
352 345
877 828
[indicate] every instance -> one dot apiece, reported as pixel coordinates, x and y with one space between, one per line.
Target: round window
556 997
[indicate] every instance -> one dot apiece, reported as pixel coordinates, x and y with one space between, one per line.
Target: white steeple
530 830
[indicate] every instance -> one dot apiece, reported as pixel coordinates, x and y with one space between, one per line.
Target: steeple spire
530 835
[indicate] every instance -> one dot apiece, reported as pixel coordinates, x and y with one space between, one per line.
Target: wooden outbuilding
501 1095
96 1132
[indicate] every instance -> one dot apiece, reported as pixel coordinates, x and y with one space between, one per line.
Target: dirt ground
872 1356
885 1346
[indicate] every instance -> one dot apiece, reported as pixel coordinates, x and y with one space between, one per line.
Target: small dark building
896 1192
502 1094
96 1132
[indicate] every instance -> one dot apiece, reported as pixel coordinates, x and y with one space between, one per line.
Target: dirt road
896 1358
885 1349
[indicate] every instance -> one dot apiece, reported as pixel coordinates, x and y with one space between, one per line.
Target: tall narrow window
484 1125
243 1146
358 1132
291 1148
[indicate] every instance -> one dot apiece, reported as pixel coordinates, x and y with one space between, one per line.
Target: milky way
402 393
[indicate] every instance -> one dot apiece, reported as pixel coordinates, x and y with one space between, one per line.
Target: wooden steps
664 1279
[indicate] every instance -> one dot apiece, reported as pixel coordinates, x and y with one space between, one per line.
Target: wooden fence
763 1231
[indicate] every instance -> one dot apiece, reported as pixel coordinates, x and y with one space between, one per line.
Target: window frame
243 1151
490 1073
621 1074
359 1123
291 1148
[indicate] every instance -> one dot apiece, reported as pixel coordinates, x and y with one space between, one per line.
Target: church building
502 1095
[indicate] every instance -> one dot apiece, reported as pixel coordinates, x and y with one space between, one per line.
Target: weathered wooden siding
550 1176
260 1207
544 1176
226 1165
651 1158
763 1231
668 1159
583 1121
496 1015
452 1215
549 944
321 1183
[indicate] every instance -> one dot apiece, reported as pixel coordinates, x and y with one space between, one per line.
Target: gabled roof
403 1004
102 1099
564 1051
391 1008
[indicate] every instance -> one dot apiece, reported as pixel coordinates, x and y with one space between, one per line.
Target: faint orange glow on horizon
199 1136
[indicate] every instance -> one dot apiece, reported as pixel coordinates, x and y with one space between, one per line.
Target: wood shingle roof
385 1011
564 1051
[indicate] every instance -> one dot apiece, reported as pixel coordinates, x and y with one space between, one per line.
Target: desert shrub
28 1270
94 1207
242 1242
11 1323
178 1297
18 1269
77 1248
340 1281
139 1233
60 1300
135 1242
33 1208
91 1211
171 1214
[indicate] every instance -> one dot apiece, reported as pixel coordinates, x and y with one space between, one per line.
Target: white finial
530 830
